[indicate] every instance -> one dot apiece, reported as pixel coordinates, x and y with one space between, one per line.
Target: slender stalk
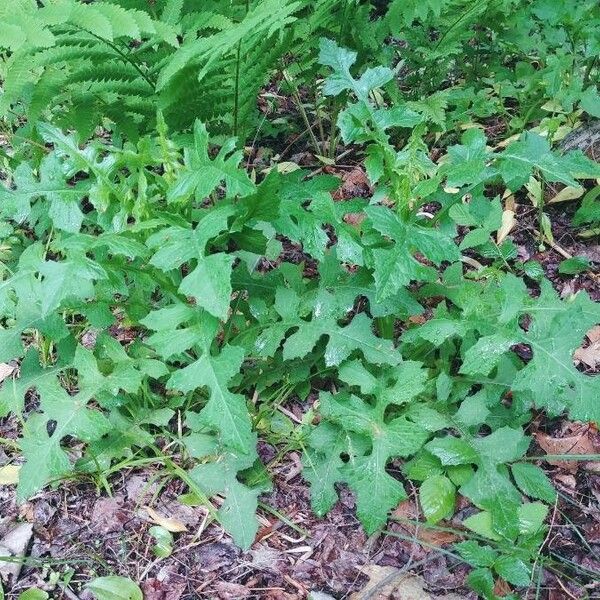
298 101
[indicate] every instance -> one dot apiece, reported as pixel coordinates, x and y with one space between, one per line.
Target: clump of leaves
148 280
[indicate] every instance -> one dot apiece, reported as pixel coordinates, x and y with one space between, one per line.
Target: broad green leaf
224 412
550 379
202 174
532 481
218 474
574 265
395 266
114 587
482 581
322 462
64 210
475 554
452 451
60 415
32 594
377 491
481 523
437 496
513 570
501 446
531 517
210 284
533 152
340 60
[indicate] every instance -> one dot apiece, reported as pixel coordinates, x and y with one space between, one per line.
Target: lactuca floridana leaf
209 282
467 162
13 389
485 354
361 430
202 175
340 60
550 379
225 412
60 415
342 341
306 207
327 310
395 265
376 490
169 338
218 474
489 487
322 463
532 151
64 210
41 287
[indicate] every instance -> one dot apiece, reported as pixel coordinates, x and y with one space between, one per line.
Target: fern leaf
91 19
122 21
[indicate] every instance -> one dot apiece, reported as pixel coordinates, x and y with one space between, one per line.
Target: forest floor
77 530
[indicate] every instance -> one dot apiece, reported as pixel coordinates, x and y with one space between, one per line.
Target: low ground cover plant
162 298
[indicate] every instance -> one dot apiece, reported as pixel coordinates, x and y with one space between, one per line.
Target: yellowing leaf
567 193
287 167
508 222
9 474
172 525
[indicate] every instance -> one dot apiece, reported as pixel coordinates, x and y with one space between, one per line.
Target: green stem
298 101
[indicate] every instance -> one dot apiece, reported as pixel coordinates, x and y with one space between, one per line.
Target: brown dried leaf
354 183
154 589
501 588
593 334
589 355
231 591
14 544
386 583
580 438
567 193
408 511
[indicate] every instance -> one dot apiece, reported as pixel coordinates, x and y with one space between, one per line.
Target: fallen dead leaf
590 355
172 525
508 222
580 438
407 511
9 474
287 167
593 334
5 371
501 588
109 515
14 544
154 589
354 218
354 183
568 193
567 481
417 319
386 583
231 591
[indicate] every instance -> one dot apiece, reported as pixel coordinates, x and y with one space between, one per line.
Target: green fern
123 60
